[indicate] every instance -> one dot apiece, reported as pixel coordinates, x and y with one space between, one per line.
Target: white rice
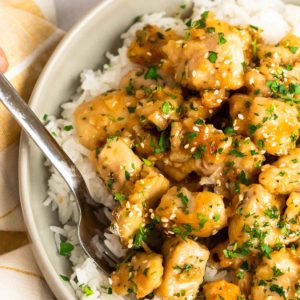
274 17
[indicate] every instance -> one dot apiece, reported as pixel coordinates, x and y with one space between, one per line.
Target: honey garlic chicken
199 147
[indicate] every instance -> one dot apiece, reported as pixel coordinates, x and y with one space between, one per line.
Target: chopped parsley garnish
253 128
97 151
184 231
266 250
243 179
140 237
152 73
65 248
64 278
293 49
202 220
221 38
210 29
45 117
236 153
201 23
272 212
68 127
191 136
277 289
260 144
87 290
127 175
277 272
147 162
199 152
131 109
216 217
184 199
185 267
130 88
163 143
229 130
212 56
119 197
110 183
165 107
254 27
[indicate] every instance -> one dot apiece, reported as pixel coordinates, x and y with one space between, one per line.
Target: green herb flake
191 136
166 107
147 162
293 49
254 27
87 290
65 248
212 56
229 130
202 220
130 88
236 153
68 127
127 175
45 117
184 199
131 109
216 217
199 152
119 197
64 278
152 73
277 272
221 38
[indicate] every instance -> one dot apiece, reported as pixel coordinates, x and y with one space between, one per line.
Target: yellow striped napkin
28 39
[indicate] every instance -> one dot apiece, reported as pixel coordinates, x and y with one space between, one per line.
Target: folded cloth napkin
28 36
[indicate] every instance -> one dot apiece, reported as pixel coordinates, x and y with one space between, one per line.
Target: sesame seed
206 130
210 111
240 116
216 92
236 127
251 80
179 42
206 55
109 280
195 128
194 73
193 149
130 215
149 53
227 62
164 220
186 146
218 82
219 101
275 55
127 205
265 135
142 145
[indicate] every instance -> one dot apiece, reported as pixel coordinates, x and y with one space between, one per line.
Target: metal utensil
88 224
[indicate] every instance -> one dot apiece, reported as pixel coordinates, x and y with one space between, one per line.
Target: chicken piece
213 99
147 48
127 221
218 257
199 214
104 116
149 189
184 268
117 164
286 52
255 223
141 276
278 277
290 231
282 177
176 171
221 289
160 107
195 110
272 124
209 60
136 79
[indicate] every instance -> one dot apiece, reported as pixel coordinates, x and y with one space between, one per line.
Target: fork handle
35 129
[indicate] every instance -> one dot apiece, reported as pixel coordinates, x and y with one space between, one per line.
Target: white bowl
83 48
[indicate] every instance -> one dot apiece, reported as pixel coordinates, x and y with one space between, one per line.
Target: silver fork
88 224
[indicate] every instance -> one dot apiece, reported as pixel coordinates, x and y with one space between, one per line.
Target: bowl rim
57 286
